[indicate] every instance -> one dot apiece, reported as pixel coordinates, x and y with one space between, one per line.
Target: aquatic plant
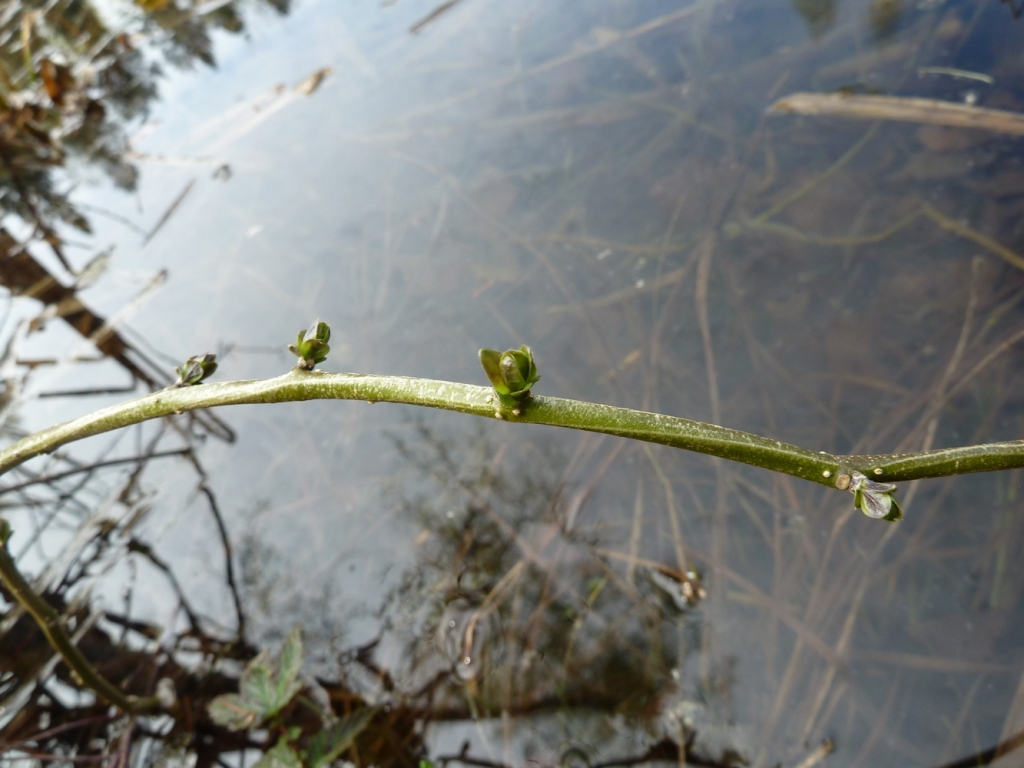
266 688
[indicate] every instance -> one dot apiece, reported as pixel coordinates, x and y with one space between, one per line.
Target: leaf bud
311 345
512 373
195 369
874 499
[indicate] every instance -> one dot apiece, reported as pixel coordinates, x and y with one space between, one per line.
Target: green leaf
279 756
289 662
195 369
511 373
257 686
319 330
532 376
265 687
874 499
327 746
311 351
895 513
515 367
233 713
490 359
320 350
875 504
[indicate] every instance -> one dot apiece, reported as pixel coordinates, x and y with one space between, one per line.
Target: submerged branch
901 108
822 468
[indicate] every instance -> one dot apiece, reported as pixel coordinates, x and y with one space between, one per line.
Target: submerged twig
926 210
903 109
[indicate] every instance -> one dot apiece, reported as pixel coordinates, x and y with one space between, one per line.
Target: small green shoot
266 687
311 345
874 499
195 369
512 374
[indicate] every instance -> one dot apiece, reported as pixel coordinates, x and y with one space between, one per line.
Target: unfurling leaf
490 359
311 345
195 369
512 373
874 499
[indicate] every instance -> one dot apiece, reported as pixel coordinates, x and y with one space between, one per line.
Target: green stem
821 468
52 626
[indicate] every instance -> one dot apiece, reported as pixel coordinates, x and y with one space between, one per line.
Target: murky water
603 182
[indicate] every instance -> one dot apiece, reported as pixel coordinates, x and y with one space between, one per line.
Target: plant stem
52 626
821 468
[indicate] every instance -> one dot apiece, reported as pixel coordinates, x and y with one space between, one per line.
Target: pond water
603 181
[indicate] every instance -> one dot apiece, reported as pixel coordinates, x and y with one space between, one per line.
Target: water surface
601 181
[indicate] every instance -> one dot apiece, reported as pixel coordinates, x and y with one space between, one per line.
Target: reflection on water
597 180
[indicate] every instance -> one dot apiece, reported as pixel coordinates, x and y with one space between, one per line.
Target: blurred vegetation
75 77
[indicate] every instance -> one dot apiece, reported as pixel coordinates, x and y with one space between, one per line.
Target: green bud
874 499
319 330
512 373
196 369
311 345
5 532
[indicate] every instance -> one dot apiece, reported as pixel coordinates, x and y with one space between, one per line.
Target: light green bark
696 436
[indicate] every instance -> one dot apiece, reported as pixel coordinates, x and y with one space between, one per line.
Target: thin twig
38 737
46 479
